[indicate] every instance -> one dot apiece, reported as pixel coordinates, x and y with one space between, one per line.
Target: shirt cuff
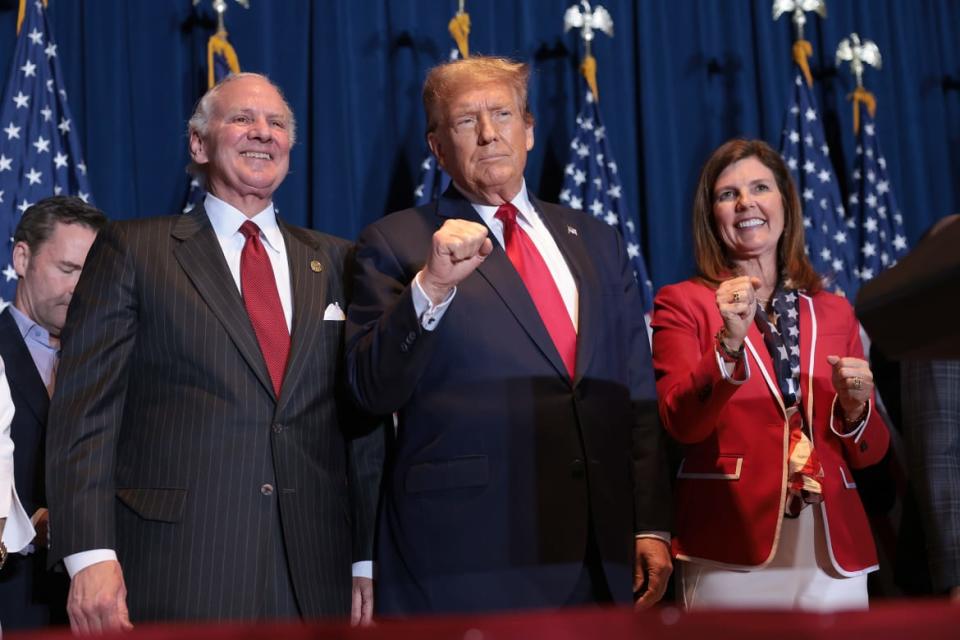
428 313
849 431
18 531
742 366
363 569
663 536
77 562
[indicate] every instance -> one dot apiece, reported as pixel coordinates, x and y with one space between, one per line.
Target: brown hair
713 263
445 80
38 222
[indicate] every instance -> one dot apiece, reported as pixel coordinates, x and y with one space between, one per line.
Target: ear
21 258
436 148
198 149
529 131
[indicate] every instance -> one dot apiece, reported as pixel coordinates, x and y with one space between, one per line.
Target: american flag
39 149
873 206
829 232
433 180
222 59
591 183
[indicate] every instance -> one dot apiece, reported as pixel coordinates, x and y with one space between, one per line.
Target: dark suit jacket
501 462
32 596
165 431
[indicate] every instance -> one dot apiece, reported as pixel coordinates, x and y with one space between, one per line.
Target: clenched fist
459 246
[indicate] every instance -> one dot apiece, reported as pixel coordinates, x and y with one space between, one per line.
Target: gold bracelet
728 354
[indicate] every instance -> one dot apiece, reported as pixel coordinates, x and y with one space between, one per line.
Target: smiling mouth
258 155
750 223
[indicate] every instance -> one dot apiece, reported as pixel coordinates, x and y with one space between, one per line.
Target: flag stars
614 191
612 166
33 176
47 113
596 207
824 176
57 190
51 50
600 133
50 85
22 101
36 37
579 177
598 182
868 128
808 194
633 250
583 151
576 203
12 131
794 136
883 187
611 218
568 169
64 126
9 273
899 243
808 140
5 163
60 160
869 249
871 200
84 196
82 167
810 114
42 145
23 206
840 237
792 163
29 69
870 225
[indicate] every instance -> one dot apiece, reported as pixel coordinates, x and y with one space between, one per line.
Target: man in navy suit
50 246
508 336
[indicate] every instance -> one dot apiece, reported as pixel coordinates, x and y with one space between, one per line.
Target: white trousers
800 576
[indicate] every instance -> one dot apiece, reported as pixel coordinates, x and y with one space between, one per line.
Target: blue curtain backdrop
679 78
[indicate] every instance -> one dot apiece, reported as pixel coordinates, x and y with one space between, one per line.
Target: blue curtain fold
678 78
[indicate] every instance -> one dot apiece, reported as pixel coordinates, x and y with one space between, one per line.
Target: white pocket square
334 312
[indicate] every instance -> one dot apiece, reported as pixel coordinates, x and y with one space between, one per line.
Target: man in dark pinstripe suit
188 477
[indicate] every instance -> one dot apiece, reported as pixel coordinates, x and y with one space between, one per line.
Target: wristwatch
3 554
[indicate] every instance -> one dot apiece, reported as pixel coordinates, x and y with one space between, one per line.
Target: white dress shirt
18 532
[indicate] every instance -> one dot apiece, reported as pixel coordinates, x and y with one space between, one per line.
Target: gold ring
857 383
736 296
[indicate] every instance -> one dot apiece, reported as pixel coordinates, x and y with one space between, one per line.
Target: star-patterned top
39 149
827 228
591 183
781 335
873 207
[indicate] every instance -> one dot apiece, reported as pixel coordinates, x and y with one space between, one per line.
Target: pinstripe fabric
931 424
167 443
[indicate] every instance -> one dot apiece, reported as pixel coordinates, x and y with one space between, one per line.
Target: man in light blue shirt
50 247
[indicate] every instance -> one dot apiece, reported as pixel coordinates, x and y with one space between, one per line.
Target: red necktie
262 301
541 286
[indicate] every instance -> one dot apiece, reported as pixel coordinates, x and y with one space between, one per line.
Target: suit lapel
309 291
584 273
22 373
500 273
202 260
758 349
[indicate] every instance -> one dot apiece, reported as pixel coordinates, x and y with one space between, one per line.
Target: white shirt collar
226 220
521 201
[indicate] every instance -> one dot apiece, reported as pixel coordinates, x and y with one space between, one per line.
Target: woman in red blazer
761 379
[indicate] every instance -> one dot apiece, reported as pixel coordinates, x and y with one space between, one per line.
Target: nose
486 129
260 129
744 200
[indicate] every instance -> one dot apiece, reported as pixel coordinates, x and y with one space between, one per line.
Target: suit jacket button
411 337
277 427
576 468
864 446
266 489
404 347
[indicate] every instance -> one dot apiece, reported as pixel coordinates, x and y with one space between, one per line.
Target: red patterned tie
541 286
262 300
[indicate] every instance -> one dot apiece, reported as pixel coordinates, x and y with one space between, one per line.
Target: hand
737 302
651 571
853 382
459 246
361 611
41 524
98 599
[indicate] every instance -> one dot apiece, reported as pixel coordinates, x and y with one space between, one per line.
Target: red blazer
730 487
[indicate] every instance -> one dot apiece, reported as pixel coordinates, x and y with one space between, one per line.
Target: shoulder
410 226
313 238
692 289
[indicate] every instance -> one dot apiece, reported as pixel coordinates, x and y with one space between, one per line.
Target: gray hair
199 122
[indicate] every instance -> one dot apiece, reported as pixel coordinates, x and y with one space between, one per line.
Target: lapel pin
571 231
315 266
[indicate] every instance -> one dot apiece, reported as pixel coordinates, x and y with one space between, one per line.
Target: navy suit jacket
501 462
32 596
